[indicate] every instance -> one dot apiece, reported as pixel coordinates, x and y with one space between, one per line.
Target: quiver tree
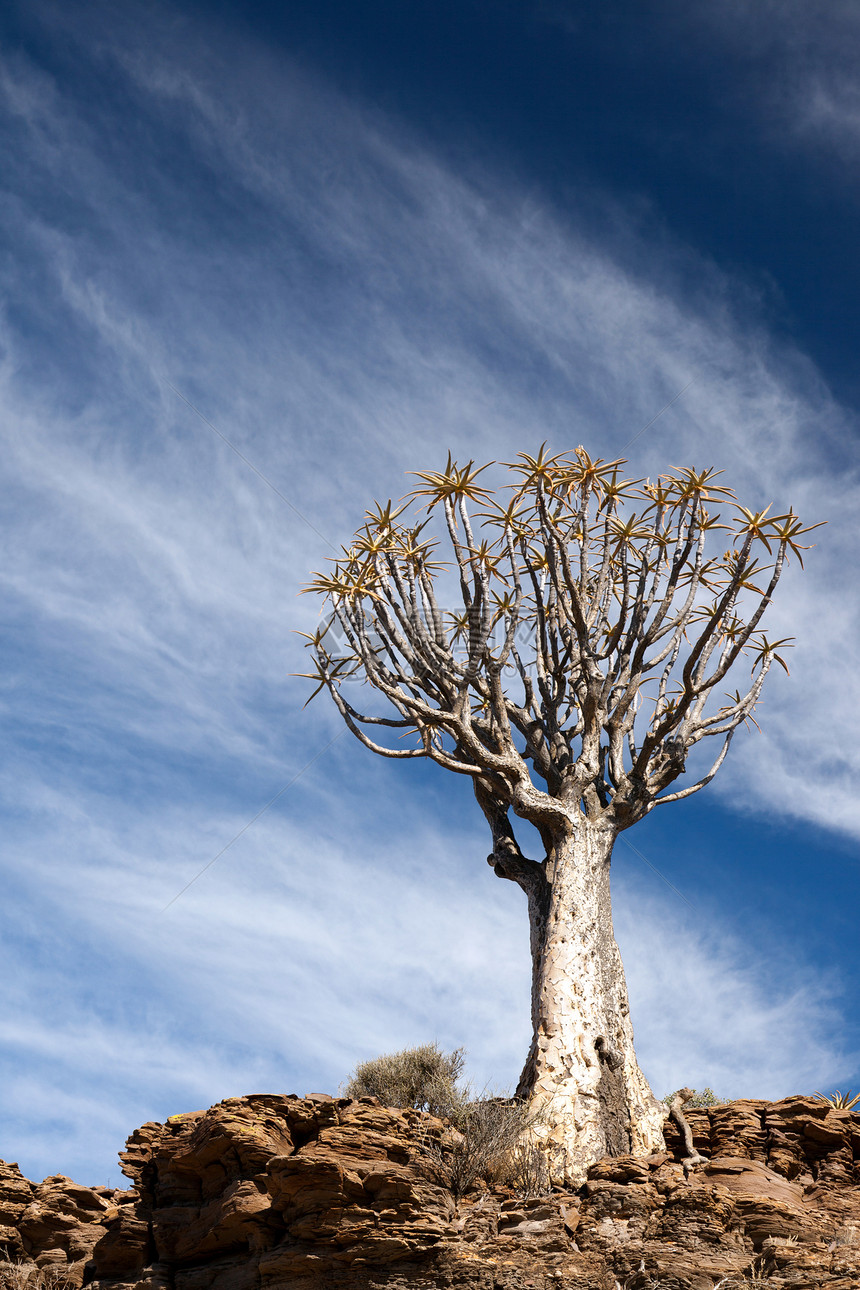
569 657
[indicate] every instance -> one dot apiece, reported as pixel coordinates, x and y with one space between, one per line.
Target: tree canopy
574 646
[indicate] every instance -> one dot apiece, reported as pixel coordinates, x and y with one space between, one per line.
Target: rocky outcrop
264 1192
55 1225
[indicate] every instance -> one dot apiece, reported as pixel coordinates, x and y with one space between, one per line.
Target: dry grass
15 1275
20 1274
749 1280
752 1279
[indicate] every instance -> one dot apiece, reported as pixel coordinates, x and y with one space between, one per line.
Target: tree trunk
581 1074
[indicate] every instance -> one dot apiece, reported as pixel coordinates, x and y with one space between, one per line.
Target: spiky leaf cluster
838 1100
592 636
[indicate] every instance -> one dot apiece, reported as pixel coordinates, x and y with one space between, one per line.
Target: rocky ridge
263 1192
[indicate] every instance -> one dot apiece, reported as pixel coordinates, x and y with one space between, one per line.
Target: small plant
839 1101
425 1078
707 1097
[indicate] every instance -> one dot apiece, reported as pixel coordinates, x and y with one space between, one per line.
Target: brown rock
16 1192
59 1226
126 1247
301 1193
235 1221
747 1177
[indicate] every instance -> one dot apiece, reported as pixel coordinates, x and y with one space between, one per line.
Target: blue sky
353 237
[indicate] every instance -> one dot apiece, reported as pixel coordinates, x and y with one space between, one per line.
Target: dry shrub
488 1144
424 1078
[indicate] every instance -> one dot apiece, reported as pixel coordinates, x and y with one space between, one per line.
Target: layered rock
268 1192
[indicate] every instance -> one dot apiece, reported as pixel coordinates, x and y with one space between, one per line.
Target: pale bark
582 1076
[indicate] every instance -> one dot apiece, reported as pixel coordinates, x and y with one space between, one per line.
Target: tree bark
582 1076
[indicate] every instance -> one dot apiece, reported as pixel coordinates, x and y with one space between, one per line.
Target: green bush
424 1078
